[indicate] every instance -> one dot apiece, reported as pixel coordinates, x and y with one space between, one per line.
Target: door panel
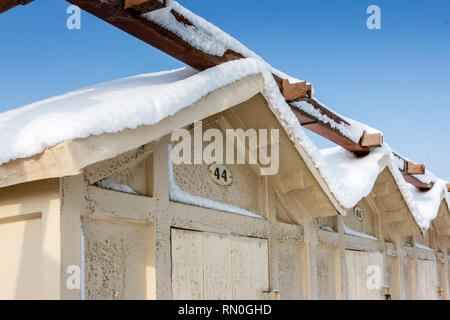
20 259
215 266
427 280
361 268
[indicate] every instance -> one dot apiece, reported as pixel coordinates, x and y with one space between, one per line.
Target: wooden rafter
325 130
410 168
144 6
308 121
5 5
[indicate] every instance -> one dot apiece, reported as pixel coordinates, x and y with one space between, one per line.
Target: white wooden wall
215 266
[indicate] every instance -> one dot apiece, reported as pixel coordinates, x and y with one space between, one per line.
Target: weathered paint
216 266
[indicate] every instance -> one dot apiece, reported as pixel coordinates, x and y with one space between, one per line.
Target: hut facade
108 213
200 183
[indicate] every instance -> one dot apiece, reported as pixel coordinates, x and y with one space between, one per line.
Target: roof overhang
70 157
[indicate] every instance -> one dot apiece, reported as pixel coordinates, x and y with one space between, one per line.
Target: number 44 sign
220 174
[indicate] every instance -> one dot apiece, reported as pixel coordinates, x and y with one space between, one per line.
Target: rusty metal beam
5 5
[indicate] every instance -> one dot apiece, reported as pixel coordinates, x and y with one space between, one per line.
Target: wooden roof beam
5 5
417 183
131 21
327 132
144 6
410 168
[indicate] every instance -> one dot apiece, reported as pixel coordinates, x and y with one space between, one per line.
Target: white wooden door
427 280
363 271
20 259
215 266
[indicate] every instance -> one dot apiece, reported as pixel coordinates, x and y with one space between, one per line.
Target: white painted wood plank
187 265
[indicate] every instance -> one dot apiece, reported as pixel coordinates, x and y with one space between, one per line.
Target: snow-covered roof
357 177
147 99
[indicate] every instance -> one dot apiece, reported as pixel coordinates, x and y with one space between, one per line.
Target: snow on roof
357 176
347 188
106 107
147 99
111 107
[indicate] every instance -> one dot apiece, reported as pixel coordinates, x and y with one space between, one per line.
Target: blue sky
396 79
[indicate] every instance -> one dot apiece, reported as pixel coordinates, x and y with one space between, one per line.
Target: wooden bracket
293 91
413 168
448 187
371 140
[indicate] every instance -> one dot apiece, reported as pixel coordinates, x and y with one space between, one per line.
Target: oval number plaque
220 174
359 213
